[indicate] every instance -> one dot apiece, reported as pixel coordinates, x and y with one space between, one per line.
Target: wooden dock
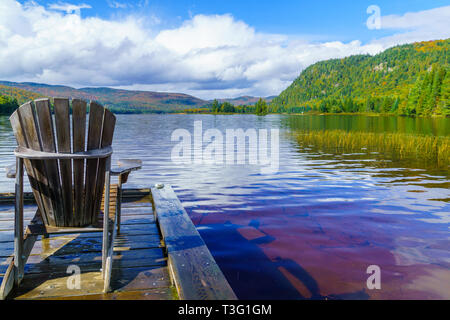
158 255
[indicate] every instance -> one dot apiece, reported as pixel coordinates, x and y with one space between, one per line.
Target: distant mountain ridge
118 100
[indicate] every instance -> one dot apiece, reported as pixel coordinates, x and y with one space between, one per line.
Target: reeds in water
435 149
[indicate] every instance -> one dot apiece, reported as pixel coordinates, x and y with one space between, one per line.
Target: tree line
260 108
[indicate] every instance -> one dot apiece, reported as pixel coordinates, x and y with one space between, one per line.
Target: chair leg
105 245
119 204
18 223
14 272
108 238
110 256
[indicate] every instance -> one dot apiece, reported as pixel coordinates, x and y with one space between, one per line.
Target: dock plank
158 255
152 294
195 272
48 285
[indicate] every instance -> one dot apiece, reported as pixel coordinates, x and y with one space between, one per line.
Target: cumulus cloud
208 55
417 26
118 5
69 8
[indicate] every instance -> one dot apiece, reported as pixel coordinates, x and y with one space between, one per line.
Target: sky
210 49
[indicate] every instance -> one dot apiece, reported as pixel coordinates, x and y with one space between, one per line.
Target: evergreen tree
215 106
261 107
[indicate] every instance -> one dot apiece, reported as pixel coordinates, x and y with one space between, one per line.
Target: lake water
311 229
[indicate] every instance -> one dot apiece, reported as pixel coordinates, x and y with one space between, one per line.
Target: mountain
411 79
20 95
118 100
245 100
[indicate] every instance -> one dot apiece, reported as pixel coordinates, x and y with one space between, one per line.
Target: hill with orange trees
119 101
411 79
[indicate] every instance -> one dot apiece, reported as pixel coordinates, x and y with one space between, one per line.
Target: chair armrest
11 171
126 166
26 153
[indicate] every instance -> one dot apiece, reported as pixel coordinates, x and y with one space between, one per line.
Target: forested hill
117 100
412 79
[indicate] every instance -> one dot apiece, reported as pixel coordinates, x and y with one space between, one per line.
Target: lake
311 229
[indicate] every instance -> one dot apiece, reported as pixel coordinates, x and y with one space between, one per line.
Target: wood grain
96 112
195 272
47 137
62 126
79 145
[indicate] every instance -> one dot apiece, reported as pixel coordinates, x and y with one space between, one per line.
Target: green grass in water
431 149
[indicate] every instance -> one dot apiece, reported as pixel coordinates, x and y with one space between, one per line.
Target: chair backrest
68 192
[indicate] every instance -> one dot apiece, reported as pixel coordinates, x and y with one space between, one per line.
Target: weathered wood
93 142
50 285
84 244
125 166
71 244
22 249
194 270
26 153
62 126
49 155
127 195
22 117
108 237
109 123
148 229
8 281
31 130
139 265
47 261
47 138
152 294
79 142
18 225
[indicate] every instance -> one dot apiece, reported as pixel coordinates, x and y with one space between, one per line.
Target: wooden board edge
167 208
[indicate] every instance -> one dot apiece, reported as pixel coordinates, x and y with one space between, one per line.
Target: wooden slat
112 200
47 135
62 125
24 128
109 122
55 284
79 137
152 294
96 112
195 272
125 166
8 281
91 242
127 195
72 244
26 153
39 263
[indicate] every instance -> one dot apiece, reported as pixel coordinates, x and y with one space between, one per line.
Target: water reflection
312 229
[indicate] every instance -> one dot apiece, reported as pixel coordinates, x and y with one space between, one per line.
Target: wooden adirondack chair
68 173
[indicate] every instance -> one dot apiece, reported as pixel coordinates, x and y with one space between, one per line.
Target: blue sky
342 20
215 48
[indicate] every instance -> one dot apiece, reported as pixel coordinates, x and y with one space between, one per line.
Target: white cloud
417 26
118 5
208 56
434 18
69 8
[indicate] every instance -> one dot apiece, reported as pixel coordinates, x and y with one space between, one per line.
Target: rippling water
312 229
